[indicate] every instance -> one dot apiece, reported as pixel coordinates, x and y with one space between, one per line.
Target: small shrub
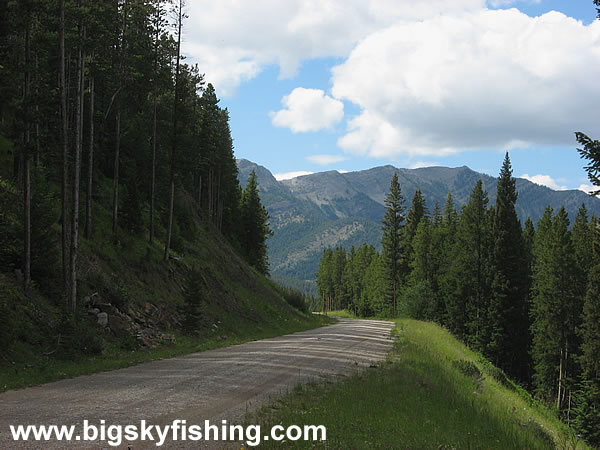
78 337
467 368
587 412
417 301
497 374
295 299
194 306
119 295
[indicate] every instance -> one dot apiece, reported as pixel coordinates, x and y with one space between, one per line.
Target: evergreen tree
582 234
256 229
468 280
194 301
555 311
591 152
587 420
417 211
393 251
508 312
419 299
437 216
325 279
339 289
374 296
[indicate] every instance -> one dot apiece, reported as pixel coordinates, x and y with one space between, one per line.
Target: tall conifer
393 258
508 312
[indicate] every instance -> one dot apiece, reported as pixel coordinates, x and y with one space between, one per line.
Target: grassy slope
239 305
420 398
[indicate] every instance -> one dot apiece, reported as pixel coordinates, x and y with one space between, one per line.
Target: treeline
99 108
528 299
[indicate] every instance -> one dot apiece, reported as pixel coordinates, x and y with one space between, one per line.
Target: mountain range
327 209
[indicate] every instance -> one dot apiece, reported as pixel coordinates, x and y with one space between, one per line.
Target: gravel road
215 385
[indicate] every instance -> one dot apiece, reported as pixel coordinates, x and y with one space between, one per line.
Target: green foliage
393 249
118 292
294 297
44 215
416 213
194 307
555 311
78 337
590 152
587 412
417 301
255 226
467 368
132 209
467 284
508 308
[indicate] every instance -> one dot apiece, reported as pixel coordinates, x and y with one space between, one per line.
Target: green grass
432 392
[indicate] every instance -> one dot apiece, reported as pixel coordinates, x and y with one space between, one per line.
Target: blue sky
352 84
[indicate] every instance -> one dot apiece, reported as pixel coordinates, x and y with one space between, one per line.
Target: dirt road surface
215 385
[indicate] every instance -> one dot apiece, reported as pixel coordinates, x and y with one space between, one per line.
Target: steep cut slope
132 301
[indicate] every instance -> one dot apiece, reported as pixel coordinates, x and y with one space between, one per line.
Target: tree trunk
65 155
154 121
174 142
153 179
560 375
199 190
77 168
115 215
90 180
115 221
26 181
37 114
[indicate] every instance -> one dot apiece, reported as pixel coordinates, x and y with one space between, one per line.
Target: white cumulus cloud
545 180
233 40
325 160
495 79
421 164
308 110
587 188
288 175
501 3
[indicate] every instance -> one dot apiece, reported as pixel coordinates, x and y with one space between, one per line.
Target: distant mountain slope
327 209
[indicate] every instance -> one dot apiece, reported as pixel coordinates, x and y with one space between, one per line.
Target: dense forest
115 155
93 91
526 298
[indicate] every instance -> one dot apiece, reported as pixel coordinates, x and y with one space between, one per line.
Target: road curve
216 384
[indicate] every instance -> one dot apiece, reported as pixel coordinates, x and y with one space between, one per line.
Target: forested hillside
122 220
524 297
328 209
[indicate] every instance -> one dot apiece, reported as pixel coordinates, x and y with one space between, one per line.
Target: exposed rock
102 319
119 325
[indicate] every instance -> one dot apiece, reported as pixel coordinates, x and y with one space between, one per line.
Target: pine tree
194 301
468 281
417 211
325 279
587 420
591 152
374 296
508 312
555 310
256 229
419 300
582 234
393 251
